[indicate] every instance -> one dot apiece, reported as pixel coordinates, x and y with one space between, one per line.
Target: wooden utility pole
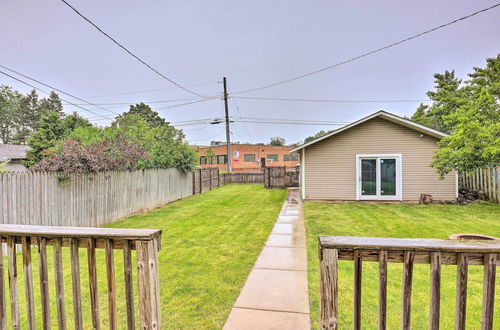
228 133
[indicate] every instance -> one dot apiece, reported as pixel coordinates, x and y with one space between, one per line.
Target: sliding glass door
379 177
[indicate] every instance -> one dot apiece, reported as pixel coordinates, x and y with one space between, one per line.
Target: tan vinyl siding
330 164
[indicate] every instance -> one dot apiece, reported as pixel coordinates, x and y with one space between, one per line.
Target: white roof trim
386 115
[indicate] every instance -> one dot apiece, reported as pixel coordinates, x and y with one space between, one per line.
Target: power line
176 105
148 91
38 89
318 123
370 52
60 91
210 137
153 102
129 52
181 105
329 101
244 125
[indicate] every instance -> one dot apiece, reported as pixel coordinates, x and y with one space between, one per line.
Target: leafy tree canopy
145 112
470 112
315 136
277 141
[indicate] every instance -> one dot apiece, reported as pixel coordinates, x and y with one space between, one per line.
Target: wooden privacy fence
89 200
486 179
279 177
243 178
146 243
205 179
435 252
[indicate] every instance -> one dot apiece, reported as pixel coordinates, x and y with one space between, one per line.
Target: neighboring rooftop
13 151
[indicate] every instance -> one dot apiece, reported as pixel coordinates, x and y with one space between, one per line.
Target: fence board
89 200
487 179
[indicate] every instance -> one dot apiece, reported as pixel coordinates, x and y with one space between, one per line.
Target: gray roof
13 151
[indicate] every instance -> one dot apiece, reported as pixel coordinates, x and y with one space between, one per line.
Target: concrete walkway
275 295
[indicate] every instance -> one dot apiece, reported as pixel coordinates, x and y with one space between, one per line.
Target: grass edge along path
399 220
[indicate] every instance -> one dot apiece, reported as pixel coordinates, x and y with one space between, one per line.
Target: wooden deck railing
435 252
145 242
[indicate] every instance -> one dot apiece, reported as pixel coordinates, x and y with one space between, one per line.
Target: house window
290 158
203 160
272 158
222 159
249 158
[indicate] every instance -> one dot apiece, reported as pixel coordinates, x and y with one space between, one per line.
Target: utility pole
228 133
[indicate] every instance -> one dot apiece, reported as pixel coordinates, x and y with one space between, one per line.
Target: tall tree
9 113
29 114
315 136
470 112
145 112
51 104
447 97
277 141
50 131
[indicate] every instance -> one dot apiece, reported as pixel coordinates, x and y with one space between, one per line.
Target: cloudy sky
252 43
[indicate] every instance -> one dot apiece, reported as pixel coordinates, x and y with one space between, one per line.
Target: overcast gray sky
252 43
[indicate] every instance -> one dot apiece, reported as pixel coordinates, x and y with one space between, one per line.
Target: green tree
277 141
475 142
51 104
28 117
447 97
50 131
470 112
210 156
149 115
315 136
164 143
73 121
9 113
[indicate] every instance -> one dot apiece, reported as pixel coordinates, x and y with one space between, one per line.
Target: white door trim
399 177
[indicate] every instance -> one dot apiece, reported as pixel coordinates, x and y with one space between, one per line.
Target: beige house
379 157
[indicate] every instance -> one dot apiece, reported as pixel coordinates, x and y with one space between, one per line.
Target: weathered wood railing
145 242
435 252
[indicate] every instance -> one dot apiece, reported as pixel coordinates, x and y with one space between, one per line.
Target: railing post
490 261
358 271
435 284
328 288
407 285
382 290
149 293
461 300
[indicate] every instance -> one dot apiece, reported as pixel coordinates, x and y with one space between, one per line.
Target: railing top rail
79 232
409 244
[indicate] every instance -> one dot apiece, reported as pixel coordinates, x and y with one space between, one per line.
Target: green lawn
209 244
400 220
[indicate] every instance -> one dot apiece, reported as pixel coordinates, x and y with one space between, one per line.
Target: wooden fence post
149 300
328 285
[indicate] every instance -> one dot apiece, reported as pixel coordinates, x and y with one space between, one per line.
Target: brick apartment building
248 157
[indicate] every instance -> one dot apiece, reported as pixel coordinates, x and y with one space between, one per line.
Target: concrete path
275 295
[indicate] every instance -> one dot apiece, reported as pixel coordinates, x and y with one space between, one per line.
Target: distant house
247 157
14 154
379 157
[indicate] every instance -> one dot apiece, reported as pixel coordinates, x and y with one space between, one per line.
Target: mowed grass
209 245
400 220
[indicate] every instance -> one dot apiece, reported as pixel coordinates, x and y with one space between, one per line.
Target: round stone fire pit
472 236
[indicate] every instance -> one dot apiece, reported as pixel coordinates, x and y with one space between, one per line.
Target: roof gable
381 114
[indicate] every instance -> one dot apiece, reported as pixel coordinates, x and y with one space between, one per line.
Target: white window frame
399 177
